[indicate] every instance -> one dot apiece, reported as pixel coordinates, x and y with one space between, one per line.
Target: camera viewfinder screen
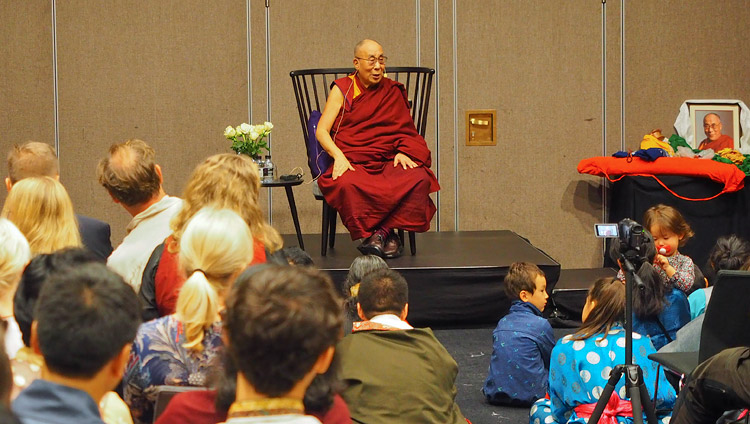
605 230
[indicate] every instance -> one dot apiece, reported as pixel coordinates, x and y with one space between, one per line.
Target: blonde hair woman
224 181
14 255
41 209
180 349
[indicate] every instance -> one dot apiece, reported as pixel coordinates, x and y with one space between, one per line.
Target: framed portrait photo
716 126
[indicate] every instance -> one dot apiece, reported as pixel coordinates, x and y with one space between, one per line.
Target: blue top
675 315
158 357
698 301
44 402
580 369
521 346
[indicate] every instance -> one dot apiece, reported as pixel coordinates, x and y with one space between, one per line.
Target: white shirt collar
391 320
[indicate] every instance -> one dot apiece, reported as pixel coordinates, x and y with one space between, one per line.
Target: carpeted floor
471 348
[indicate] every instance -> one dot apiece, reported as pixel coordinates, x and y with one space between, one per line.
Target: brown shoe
393 247
373 245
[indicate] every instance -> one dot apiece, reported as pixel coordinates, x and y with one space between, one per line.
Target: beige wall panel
322 34
697 51
539 65
26 85
444 77
173 73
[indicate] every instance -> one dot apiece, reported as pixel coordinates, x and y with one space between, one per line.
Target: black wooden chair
724 326
311 88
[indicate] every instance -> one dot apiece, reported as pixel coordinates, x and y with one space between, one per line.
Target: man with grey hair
134 181
714 138
35 159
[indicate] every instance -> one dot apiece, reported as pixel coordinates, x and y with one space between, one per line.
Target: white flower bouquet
249 139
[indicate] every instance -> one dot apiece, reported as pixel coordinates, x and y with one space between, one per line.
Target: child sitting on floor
581 365
670 231
522 341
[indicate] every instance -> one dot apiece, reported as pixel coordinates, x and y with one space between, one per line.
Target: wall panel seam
55 94
455 116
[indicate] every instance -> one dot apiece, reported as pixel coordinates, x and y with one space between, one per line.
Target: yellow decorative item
657 140
736 157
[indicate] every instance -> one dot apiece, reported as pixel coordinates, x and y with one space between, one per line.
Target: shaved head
364 45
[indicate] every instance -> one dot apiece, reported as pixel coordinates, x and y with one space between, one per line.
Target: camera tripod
635 387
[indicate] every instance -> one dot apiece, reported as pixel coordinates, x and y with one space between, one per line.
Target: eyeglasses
371 61
712 126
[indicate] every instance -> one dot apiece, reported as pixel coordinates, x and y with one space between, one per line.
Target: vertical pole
605 212
455 114
55 99
437 105
268 96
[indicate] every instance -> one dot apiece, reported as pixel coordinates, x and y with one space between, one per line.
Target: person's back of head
41 208
33 278
282 325
14 255
226 181
32 159
361 266
383 291
605 307
215 247
85 317
521 276
649 299
297 257
729 253
129 173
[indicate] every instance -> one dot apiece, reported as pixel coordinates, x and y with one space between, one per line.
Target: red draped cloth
370 130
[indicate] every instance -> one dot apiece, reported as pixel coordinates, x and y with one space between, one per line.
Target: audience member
270 314
86 320
730 253
413 378
14 255
224 181
211 406
522 341
134 180
35 159
717 385
27 365
41 209
6 384
291 256
180 349
670 231
581 364
361 266
659 311
6 375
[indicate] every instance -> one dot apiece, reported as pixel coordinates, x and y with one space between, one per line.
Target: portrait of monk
714 138
380 179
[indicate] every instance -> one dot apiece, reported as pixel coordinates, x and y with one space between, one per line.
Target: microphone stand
635 387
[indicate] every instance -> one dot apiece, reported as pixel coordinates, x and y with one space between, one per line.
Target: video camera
631 236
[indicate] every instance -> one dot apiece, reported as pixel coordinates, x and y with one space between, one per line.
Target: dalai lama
380 179
714 138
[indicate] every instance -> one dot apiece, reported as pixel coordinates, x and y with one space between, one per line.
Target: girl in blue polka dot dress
581 364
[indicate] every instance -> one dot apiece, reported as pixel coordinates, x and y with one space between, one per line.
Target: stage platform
455 279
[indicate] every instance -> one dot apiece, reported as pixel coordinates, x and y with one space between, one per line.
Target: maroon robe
370 130
723 142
